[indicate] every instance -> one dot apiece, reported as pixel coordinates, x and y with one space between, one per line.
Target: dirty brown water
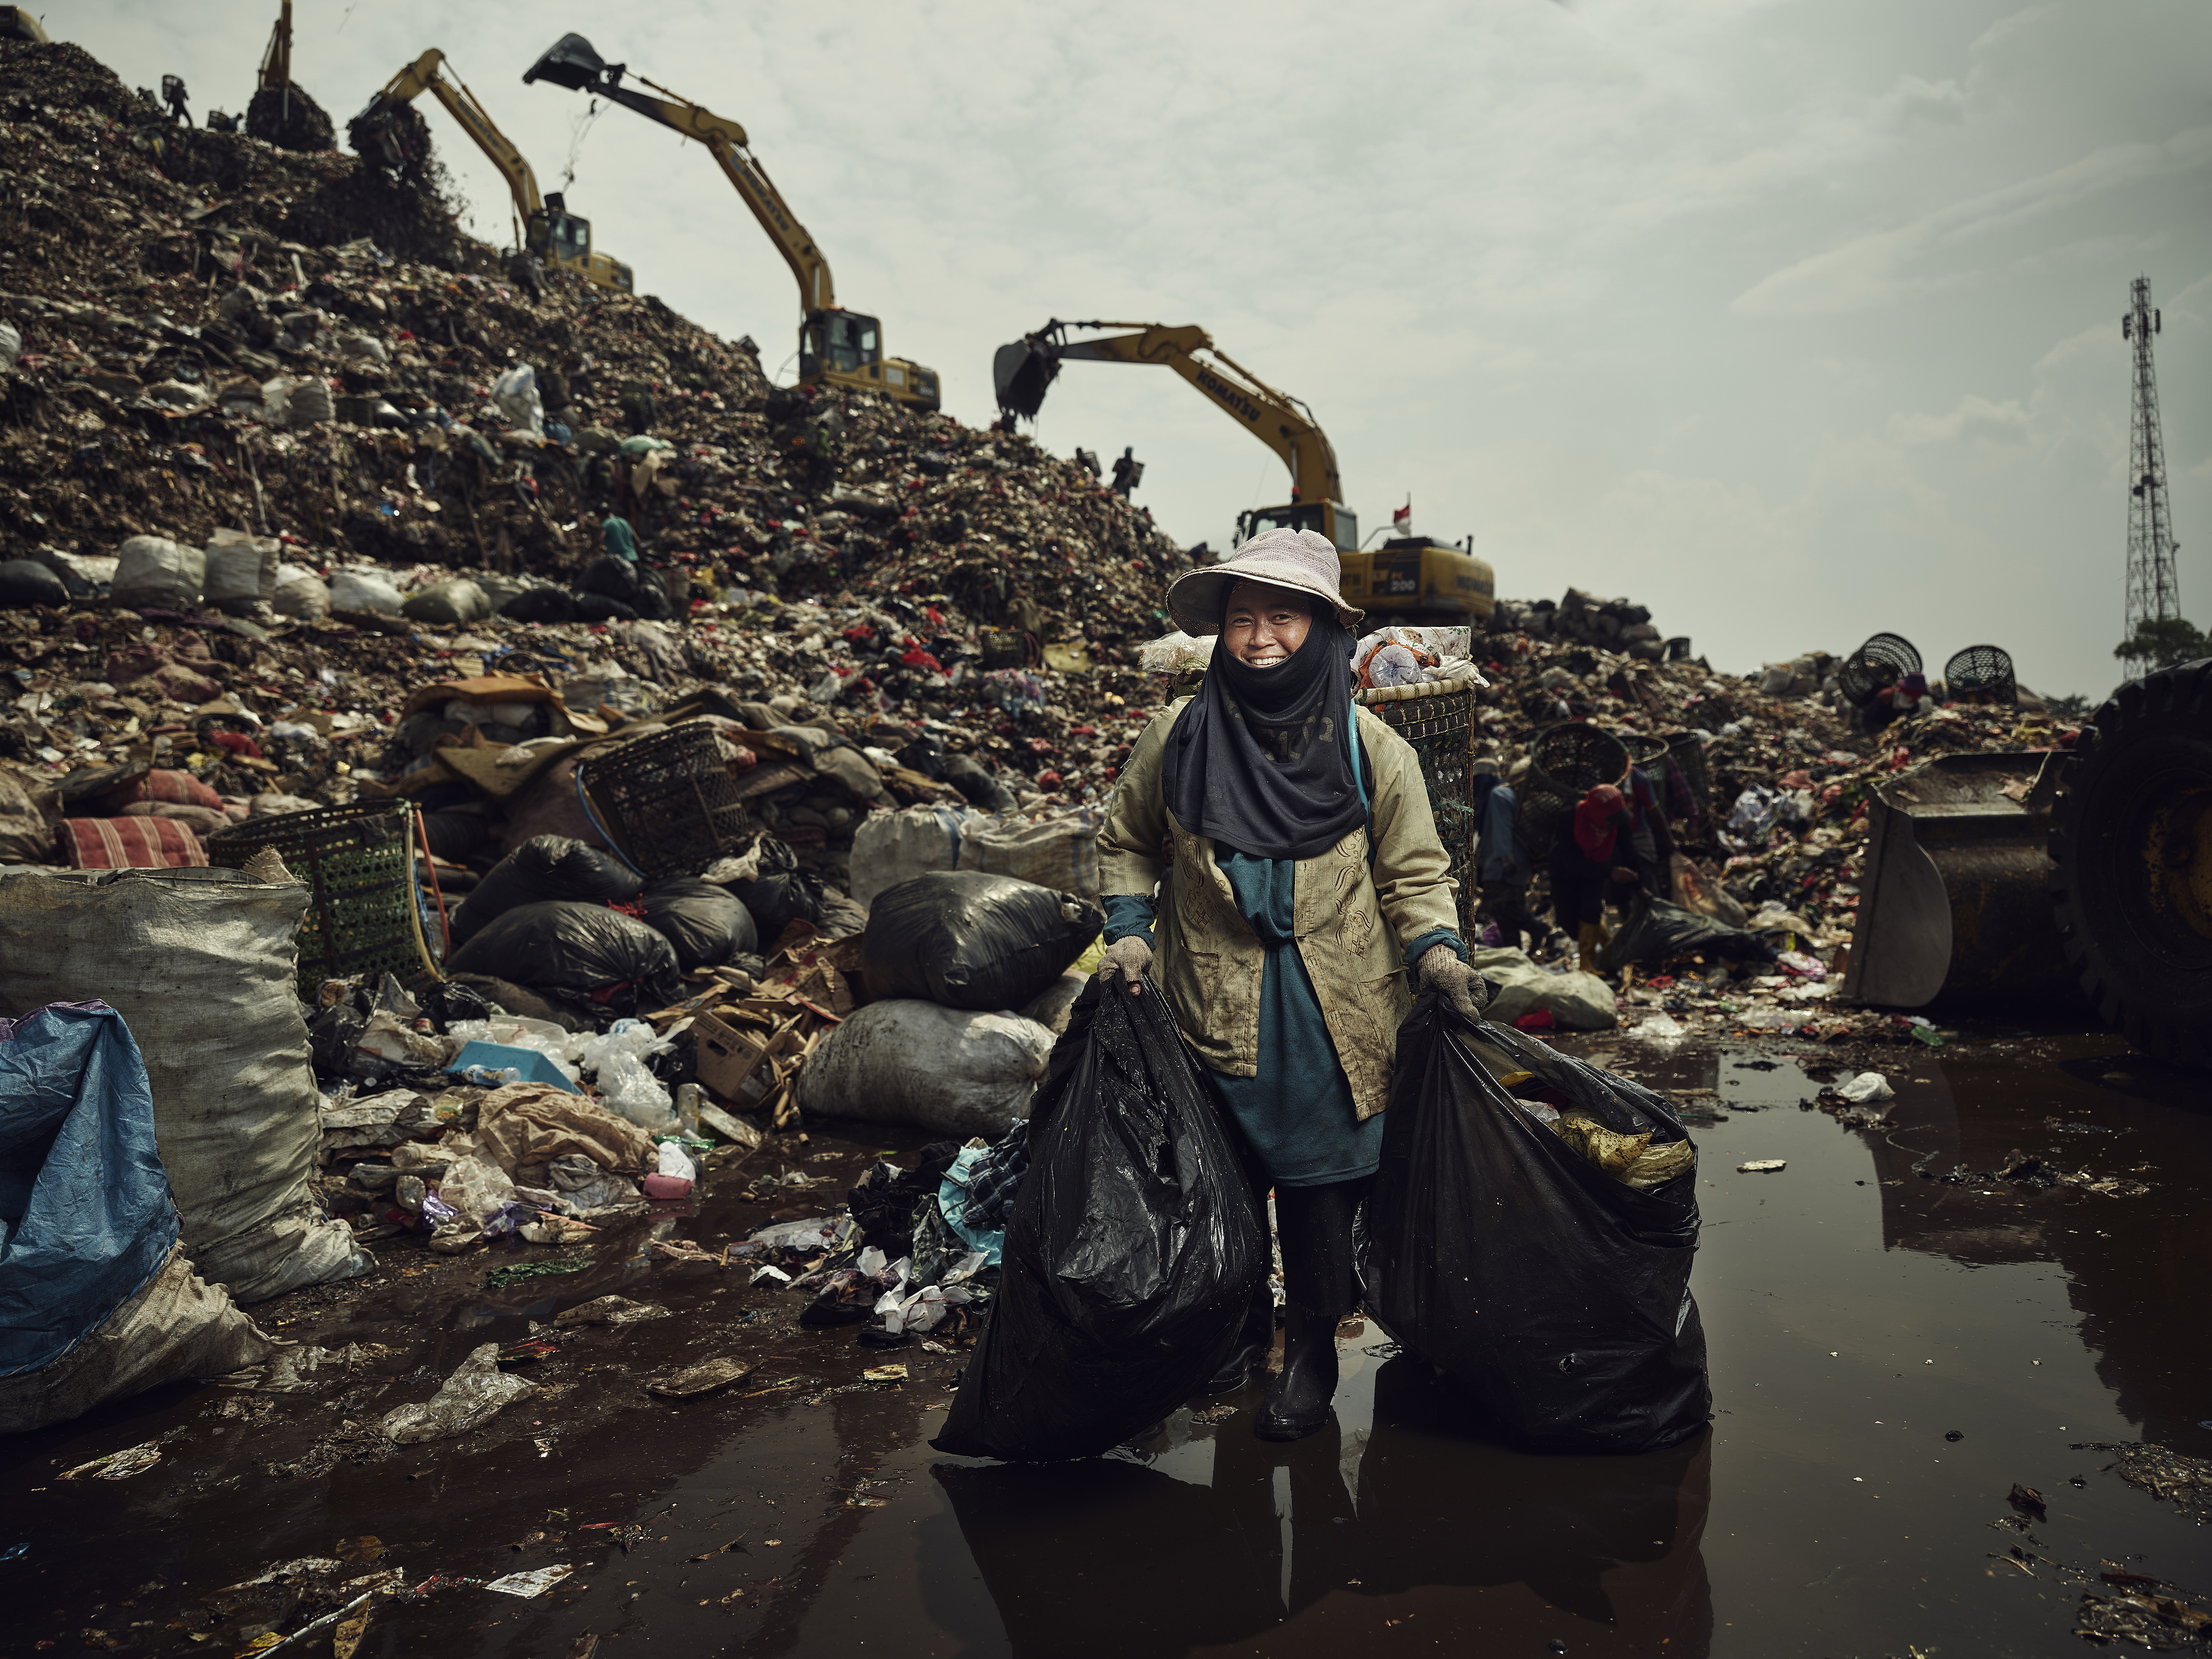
1858 1313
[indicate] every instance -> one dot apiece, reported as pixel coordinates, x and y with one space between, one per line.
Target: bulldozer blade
570 61
1021 372
1954 900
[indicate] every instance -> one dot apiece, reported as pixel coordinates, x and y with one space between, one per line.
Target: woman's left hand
1442 971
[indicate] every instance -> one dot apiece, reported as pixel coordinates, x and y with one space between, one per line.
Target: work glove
1443 972
1129 957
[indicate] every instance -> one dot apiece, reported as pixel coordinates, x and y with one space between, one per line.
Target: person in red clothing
1597 861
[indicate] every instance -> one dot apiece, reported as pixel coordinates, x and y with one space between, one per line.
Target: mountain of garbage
318 500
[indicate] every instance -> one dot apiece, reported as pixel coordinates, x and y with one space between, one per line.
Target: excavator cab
1337 522
558 236
834 343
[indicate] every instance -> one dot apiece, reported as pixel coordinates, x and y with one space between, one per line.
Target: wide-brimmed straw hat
1302 559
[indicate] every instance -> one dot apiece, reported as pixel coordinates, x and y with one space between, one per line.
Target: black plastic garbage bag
704 922
579 952
1555 1295
1132 1252
781 893
1660 930
543 869
965 939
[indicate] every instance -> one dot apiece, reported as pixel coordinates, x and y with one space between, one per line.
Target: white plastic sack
889 847
370 591
516 394
1867 1086
11 345
476 1392
153 570
1057 849
174 1327
241 568
958 1073
1579 1002
311 404
199 962
300 592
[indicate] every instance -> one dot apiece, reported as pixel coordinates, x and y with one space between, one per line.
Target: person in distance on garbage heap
1598 861
1303 877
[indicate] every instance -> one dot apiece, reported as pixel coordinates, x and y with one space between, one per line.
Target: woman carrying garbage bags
1299 879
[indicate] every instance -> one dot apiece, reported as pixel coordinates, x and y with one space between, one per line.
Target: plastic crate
1981 673
1875 666
667 800
359 861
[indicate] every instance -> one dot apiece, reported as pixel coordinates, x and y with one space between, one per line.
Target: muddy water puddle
1887 1290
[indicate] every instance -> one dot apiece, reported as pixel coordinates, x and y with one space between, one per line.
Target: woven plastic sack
1132 1252
241 568
1058 849
947 1069
889 847
155 572
200 964
1554 1295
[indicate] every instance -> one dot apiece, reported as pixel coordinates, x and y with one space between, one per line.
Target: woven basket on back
1981 673
1875 666
1439 721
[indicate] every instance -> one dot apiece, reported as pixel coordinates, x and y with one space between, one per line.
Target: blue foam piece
536 1068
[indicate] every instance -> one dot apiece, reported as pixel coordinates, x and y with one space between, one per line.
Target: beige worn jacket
1352 927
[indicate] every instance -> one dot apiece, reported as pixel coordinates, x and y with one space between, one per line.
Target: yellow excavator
835 347
545 228
1409 579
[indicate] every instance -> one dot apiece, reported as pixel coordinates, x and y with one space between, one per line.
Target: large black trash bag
969 940
704 922
1134 1249
1554 1295
582 953
781 893
543 869
1659 930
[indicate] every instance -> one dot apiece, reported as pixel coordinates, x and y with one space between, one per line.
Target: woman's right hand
1129 957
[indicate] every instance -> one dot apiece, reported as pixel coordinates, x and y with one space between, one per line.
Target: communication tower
2153 593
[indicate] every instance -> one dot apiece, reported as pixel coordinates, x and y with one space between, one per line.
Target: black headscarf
1258 760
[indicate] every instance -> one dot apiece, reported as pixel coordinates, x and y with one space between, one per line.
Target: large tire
2132 841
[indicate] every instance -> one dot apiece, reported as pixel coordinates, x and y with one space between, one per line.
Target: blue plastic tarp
85 1212
535 1065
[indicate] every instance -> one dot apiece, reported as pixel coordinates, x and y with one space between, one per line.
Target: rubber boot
1587 941
1314 1225
1253 1343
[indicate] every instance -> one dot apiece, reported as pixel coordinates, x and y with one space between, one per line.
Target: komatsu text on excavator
546 227
1409 579
835 347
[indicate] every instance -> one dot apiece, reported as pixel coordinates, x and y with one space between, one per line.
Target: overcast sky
1793 320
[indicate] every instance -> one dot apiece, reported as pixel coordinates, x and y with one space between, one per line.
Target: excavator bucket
571 62
1021 372
1953 900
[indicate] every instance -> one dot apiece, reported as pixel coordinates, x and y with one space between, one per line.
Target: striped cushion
127 844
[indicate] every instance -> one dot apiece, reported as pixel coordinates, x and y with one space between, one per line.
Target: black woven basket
1440 726
667 800
359 860
1686 753
1645 748
1567 761
1875 666
1981 673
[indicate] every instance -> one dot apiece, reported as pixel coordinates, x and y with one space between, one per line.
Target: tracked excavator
835 347
2003 880
1409 579
546 227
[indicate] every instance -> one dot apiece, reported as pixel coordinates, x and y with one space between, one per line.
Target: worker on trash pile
1504 864
1598 861
1129 471
1303 879
1903 698
1653 837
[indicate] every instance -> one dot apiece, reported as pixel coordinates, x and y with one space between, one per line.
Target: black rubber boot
1315 1226
1253 1343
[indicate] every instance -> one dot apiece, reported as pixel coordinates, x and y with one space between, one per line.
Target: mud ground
1899 1337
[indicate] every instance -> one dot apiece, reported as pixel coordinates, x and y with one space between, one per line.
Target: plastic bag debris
1554 1294
1659 930
544 869
1576 1001
952 1071
1867 1086
706 924
704 1378
117 1465
616 1062
963 939
608 1311
476 1392
1132 1252
585 953
1762 1165
536 1582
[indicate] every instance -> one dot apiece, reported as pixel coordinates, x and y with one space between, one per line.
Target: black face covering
1259 760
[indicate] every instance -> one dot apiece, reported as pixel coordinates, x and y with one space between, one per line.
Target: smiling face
1264 624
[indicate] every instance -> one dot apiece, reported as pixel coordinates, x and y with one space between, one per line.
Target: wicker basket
359 860
1686 753
1439 721
1567 761
1981 673
1645 748
1875 666
667 800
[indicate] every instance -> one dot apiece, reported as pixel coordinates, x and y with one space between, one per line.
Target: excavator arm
424 74
276 59
1024 369
574 64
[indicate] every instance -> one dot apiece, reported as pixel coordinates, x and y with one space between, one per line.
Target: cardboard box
732 1063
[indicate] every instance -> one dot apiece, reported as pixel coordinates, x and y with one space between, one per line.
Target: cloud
1875 269
1973 417
1913 100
